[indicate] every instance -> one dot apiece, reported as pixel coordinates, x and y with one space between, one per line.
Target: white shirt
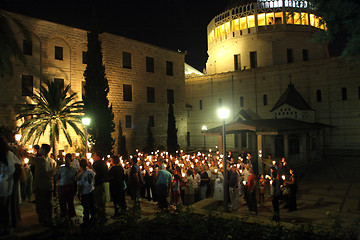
7 174
197 180
87 181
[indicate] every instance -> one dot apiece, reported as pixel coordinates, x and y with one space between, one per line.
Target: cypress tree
149 140
96 103
121 146
172 143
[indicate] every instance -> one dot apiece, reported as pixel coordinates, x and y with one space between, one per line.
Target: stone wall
42 64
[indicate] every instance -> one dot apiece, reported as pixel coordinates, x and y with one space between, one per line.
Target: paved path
324 187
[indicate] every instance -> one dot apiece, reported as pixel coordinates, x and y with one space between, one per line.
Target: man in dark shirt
101 170
117 186
233 183
135 182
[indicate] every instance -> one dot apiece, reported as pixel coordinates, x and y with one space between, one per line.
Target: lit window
261 19
297 18
236 25
289 18
243 24
304 19
227 27
251 21
270 19
278 18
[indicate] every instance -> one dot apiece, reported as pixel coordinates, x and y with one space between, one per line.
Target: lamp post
17 137
86 122
204 128
224 113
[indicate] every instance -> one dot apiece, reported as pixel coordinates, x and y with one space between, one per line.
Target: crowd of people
160 177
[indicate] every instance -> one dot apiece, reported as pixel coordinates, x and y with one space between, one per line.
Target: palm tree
53 110
9 46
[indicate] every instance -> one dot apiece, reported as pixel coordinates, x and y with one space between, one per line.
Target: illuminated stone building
143 79
261 54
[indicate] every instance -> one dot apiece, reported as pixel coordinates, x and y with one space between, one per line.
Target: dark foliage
172 142
96 103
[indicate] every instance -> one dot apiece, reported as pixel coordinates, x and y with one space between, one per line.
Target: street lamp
86 122
224 113
17 137
204 128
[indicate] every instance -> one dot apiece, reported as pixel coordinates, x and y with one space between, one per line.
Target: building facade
143 79
256 49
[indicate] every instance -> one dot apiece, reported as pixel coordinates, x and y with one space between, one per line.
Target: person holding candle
162 186
45 168
251 189
135 181
117 185
204 182
275 185
86 185
189 188
291 183
233 183
66 175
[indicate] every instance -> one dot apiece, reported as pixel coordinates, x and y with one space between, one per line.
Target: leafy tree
96 103
122 143
54 110
172 142
149 140
342 19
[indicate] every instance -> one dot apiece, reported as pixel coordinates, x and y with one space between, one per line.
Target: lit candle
238 165
147 163
26 160
151 169
283 177
244 182
91 160
183 174
108 156
77 154
108 164
273 162
88 155
215 170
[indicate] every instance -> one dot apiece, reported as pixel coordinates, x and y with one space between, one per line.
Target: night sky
173 24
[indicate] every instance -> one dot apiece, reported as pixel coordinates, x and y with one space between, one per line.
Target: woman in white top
7 171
